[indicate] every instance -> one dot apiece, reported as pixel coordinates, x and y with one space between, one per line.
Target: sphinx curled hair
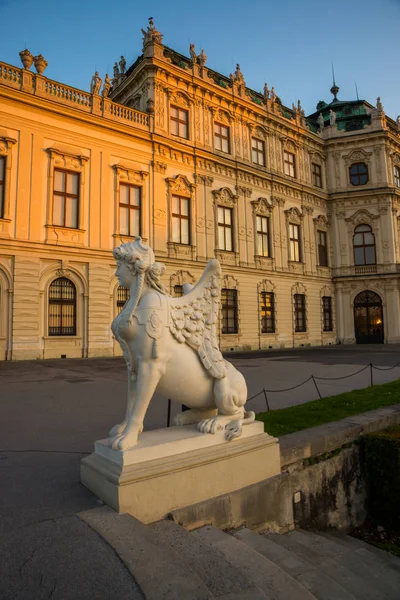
139 258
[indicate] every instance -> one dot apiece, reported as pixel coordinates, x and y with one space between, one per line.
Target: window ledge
123 237
62 228
62 337
5 220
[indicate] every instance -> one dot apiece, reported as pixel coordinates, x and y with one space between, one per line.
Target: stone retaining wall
321 484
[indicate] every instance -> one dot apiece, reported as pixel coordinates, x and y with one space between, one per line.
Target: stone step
265 574
350 542
356 569
319 583
159 571
222 578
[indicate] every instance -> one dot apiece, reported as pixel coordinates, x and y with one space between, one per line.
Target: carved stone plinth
177 467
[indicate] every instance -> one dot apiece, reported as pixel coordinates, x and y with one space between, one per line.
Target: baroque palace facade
302 212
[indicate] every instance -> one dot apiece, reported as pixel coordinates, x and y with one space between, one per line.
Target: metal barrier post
372 375
169 412
266 399
316 387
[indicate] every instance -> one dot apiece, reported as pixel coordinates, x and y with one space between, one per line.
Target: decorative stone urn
40 63
26 58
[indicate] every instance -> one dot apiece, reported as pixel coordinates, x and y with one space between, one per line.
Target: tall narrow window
180 220
66 199
322 249
396 173
300 312
129 209
178 291
221 137
179 122
258 152
62 307
2 184
289 164
122 297
229 311
358 174
267 312
294 242
364 246
263 241
225 228
327 313
316 175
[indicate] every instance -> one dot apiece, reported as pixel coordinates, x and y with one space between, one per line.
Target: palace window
300 313
327 313
263 243
322 249
180 220
289 162
358 174
316 175
179 122
2 184
178 291
221 138
130 209
364 245
62 307
258 152
122 297
66 199
396 173
229 310
294 242
267 312
225 228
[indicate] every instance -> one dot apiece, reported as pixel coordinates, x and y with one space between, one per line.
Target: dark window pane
300 312
267 312
327 313
130 214
122 297
229 311
62 307
359 256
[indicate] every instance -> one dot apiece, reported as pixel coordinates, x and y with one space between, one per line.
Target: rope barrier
343 376
386 368
291 388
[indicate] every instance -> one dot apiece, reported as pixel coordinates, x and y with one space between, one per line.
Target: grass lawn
331 408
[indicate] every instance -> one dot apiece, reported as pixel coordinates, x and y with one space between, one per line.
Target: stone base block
177 467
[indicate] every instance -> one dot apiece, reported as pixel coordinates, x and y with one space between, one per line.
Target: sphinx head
137 259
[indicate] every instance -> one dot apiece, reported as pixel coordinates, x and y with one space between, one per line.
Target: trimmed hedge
382 470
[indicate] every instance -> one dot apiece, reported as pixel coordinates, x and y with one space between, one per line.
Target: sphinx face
124 275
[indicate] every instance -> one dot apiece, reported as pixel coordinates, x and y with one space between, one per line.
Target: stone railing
365 269
37 85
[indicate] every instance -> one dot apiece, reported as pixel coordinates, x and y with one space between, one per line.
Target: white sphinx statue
170 346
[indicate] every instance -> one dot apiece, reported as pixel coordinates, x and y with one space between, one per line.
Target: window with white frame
267 312
263 235
221 137
289 162
130 209
225 228
229 311
2 184
294 242
66 198
258 152
180 220
179 119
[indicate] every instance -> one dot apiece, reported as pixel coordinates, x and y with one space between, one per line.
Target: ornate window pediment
299 288
321 223
229 282
357 156
360 217
180 99
180 185
67 160
261 206
266 285
225 197
294 215
130 175
222 116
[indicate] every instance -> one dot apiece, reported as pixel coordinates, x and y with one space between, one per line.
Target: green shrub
382 470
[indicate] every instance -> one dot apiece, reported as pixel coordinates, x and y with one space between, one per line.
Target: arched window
62 307
122 297
364 245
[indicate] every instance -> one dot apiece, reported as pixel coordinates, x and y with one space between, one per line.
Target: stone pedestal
177 467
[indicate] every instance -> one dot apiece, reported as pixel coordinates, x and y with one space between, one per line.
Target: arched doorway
368 318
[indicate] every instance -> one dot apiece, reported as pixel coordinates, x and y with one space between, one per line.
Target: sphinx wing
194 319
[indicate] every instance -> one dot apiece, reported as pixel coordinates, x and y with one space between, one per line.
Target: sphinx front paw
117 429
125 440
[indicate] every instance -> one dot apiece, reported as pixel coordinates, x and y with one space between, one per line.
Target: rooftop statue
237 76
95 84
122 65
106 86
202 58
266 92
116 70
151 35
321 121
193 55
170 345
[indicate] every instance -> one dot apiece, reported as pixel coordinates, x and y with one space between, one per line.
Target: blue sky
290 44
